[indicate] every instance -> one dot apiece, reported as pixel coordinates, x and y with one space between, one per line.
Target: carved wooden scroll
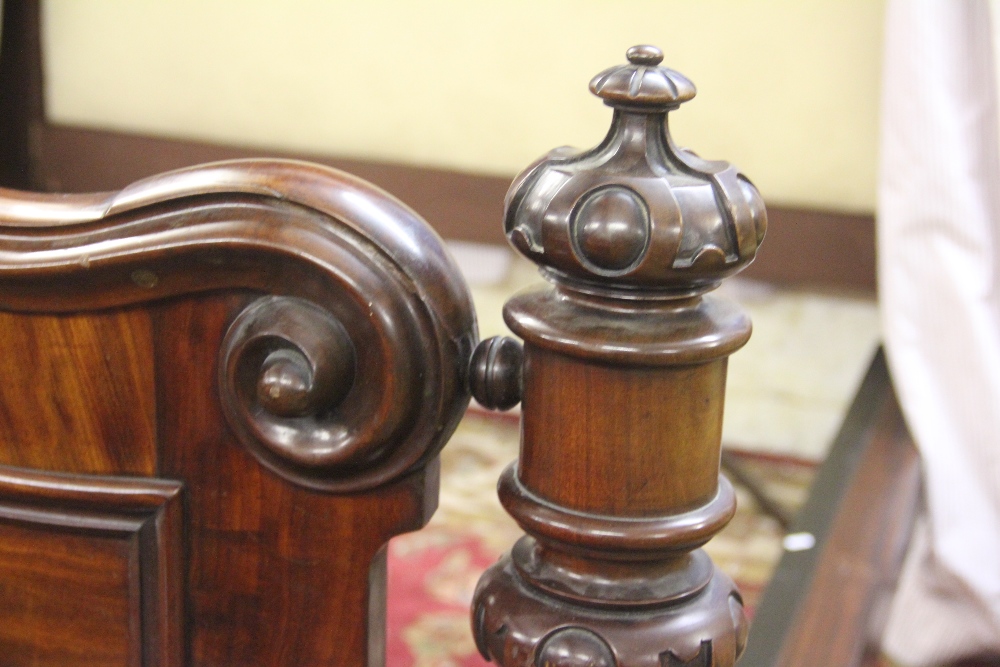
283 347
622 384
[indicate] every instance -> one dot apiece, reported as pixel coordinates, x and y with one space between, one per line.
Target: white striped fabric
938 234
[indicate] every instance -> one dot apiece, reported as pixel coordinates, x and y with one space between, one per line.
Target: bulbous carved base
518 625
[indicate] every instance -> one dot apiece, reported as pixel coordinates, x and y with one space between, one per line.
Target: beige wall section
788 90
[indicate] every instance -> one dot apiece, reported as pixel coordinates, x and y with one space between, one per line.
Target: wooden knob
284 384
495 373
287 383
575 647
644 54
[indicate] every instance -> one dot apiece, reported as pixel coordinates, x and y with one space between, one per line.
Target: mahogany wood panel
89 570
278 574
66 599
77 393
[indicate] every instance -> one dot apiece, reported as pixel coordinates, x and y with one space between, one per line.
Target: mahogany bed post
621 381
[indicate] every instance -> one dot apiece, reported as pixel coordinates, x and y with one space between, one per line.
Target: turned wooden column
621 381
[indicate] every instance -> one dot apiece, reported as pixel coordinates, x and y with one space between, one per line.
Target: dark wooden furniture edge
860 513
805 248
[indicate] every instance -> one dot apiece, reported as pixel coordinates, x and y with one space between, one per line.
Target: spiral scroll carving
314 400
288 364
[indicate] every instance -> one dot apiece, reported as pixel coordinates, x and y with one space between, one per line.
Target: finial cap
642 82
636 216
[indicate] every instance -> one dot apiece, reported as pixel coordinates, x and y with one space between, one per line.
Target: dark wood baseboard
804 248
817 250
458 205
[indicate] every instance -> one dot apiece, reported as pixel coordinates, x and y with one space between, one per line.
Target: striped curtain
939 282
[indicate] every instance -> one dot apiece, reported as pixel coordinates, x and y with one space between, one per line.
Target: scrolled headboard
282 345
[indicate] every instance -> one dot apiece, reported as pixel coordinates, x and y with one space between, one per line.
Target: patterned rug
432 573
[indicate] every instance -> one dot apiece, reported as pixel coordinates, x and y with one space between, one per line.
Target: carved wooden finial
636 212
623 379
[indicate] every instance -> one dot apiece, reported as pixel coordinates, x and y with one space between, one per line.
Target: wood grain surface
78 393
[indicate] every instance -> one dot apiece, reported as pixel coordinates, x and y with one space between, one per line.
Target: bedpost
621 378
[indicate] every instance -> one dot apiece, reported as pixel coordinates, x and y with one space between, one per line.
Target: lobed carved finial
636 212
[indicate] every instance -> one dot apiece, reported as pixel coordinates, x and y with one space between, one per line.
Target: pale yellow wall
788 90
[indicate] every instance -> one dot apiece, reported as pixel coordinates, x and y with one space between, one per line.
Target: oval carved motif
611 229
286 366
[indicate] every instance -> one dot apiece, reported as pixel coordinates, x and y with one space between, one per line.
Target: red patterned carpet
432 573
431 580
